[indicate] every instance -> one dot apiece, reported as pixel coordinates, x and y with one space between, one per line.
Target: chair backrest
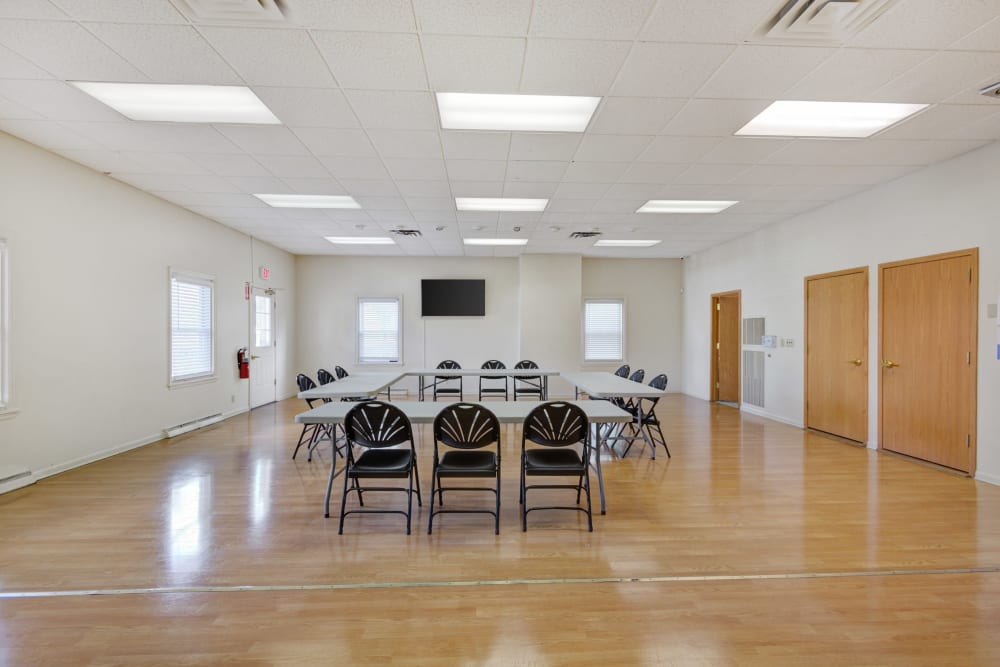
638 376
526 363
341 372
466 426
448 363
659 382
556 424
493 363
376 424
304 382
324 376
623 371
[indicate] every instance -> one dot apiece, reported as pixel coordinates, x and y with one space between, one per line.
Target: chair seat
383 462
553 462
468 463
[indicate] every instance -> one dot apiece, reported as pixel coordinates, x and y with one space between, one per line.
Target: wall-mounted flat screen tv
453 298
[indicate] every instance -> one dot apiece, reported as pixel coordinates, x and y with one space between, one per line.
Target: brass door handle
889 364
254 356
856 362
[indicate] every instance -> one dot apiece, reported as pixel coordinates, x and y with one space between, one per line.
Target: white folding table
362 384
543 373
508 412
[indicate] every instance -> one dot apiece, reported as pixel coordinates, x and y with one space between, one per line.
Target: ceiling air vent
826 22
991 91
584 235
405 232
254 12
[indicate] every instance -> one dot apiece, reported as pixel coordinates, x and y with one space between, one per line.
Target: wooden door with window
726 347
836 393
927 344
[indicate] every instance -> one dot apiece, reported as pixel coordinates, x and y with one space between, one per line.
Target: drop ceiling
353 84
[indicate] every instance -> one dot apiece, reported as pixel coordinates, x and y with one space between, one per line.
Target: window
4 332
603 330
263 321
379 340
192 320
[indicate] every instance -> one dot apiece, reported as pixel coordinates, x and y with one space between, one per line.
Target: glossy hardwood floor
757 543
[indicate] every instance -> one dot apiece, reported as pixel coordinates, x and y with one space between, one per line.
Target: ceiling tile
652 172
269 57
420 170
582 190
925 24
190 60
335 142
308 107
949 121
473 64
178 182
82 57
426 189
984 38
637 191
476 170
474 17
594 172
744 150
477 188
536 170
395 110
165 163
611 148
389 15
475 145
852 75
571 67
714 118
593 19
156 137
373 204
706 174
668 70
264 139
365 188
12 111
50 134
871 151
543 146
634 115
56 100
314 186
352 167
717 21
135 11
379 61
259 184
430 203
404 143
299 166
101 160
941 76
14 66
756 72
678 149
571 205
38 9
529 189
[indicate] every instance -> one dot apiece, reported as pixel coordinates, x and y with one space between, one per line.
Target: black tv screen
453 298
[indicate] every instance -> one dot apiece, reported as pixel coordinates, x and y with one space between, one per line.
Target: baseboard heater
12 473
187 427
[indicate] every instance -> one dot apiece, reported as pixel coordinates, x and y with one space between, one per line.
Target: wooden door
928 334
837 353
726 346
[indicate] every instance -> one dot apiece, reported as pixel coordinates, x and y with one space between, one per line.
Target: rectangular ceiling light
181 103
309 201
624 243
517 113
495 241
360 240
684 206
851 120
505 204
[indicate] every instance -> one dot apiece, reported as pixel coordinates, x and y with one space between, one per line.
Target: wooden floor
756 544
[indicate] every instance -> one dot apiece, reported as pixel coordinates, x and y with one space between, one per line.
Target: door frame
973 253
271 292
713 389
865 348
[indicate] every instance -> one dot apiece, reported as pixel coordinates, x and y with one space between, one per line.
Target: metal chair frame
499 365
530 385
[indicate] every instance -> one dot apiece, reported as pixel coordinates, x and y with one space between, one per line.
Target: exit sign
265 273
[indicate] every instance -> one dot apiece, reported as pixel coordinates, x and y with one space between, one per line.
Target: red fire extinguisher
243 363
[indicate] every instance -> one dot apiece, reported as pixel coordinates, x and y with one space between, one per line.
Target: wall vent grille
753 330
753 377
825 22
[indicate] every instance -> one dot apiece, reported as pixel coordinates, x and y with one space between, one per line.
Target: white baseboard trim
96 456
236 411
760 412
988 478
15 477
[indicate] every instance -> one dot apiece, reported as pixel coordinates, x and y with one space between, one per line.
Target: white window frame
584 332
197 279
398 358
4 327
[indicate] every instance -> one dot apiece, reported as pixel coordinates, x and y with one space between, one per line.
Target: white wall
551 327
328 289
89 261
945 207
652 289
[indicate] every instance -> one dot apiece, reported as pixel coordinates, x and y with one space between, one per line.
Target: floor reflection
189 528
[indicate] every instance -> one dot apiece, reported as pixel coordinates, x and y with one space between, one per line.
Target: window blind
378 331
191 348
603 330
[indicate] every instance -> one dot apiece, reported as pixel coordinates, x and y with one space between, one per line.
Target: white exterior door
263 360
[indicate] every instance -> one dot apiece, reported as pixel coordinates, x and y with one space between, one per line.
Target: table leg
545 387
597 465
420 387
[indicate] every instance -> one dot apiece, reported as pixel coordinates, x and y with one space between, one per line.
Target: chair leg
409 500
663 440
309 429
590 512
343 501
329 484
430 521
496 527
416 474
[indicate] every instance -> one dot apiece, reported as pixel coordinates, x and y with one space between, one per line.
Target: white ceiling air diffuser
827 22
249 12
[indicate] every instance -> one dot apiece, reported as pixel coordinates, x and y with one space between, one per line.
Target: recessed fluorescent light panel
360 240
518 113
181 103
846 120
624 243
505 204
309 201
495 241
684 206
